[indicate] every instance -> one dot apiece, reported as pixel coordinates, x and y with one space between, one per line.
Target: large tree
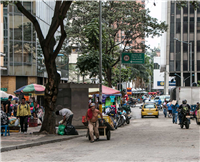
50 49
129 17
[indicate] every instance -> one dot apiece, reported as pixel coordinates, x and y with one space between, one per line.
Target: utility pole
100 55
120 65
190 64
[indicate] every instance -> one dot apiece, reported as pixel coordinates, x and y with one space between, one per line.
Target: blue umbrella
18 91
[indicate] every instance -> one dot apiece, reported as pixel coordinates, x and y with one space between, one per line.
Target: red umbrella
108 90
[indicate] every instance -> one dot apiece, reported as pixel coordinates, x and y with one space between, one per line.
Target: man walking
6 106
67 116
23 112
93 124
175 112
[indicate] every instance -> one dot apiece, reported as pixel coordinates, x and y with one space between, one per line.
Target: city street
147 139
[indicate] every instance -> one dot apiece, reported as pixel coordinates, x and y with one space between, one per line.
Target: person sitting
183 109
67 116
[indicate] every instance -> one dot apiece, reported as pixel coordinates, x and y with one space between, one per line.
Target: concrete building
184 24
23 58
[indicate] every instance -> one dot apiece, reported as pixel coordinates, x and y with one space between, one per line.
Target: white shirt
65 112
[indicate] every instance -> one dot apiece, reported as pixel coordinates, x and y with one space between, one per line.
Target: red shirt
89 114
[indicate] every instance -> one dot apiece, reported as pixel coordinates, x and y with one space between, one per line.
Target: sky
155 11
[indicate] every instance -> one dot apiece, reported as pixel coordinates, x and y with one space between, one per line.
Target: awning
105 90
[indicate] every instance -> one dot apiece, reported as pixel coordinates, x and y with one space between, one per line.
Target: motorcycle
185 120
120 119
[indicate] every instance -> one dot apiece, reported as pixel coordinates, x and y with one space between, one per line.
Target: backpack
185 108
4 118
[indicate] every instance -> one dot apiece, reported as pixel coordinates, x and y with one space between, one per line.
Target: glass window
198 65
27 6
198 27
185 10
27 53
185 47
11 26
18 27
185 65
178 47
18 53
185 27
27 29
178 27
198 46
178 11
172 8
171 46
191 9
191 26
171 65
16 9
178 65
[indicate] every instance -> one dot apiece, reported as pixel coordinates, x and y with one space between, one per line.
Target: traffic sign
132 58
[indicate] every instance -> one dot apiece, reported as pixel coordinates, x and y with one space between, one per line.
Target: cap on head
10 97
92 104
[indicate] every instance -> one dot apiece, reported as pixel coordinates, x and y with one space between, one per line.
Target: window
171 65
185 47
178 65
156 66
198 46
178 47
185 65
185 27
191 9
178 11
185 10
171 46
191 26
178 27
198 27
198 65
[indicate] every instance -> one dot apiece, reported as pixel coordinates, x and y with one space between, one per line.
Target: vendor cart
104 129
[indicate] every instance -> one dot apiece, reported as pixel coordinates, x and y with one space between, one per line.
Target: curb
10 148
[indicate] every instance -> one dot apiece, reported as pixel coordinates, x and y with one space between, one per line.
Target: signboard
4 89
162 83
132 58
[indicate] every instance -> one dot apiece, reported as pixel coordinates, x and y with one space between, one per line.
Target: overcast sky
155 11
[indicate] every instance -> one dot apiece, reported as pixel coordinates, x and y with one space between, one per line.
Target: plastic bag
61 129
17 122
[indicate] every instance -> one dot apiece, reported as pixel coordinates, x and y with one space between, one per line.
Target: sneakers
91 141
25 133
97 139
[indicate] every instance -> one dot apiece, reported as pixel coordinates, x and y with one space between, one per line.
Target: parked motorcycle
120 118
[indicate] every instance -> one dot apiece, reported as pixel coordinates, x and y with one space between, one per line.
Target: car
162 98
149 109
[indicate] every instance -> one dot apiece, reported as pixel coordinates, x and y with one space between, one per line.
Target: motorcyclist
184 107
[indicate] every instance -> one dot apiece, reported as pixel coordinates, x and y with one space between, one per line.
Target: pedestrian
15 108
23 112
196 109
165 108
93 124
67 116
175 112
6 106
169 107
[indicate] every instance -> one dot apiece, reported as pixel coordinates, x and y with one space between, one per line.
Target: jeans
69 121
165 112
23 121
174 119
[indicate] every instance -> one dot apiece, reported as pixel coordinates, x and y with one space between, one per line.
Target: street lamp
184 79
190 47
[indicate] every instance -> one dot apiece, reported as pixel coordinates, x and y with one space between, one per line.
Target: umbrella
18 91
34 88
4 94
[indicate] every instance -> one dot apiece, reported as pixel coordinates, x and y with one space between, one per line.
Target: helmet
184 101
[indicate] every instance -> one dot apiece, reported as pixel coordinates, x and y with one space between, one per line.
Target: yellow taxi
149 109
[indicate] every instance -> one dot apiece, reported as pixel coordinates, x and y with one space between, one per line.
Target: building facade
184 25
23 57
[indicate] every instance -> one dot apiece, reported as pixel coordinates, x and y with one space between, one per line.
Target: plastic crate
33 122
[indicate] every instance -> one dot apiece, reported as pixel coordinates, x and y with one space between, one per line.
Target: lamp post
100 55
190 47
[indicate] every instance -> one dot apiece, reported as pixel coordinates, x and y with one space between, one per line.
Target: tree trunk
109 77
50 98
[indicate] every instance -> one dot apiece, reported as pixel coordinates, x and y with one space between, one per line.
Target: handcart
104 129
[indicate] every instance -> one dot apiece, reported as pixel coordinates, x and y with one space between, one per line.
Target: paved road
147 139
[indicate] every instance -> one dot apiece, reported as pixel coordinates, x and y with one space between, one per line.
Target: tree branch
62 38
57 19
32 19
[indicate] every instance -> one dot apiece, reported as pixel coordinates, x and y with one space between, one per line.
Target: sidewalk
19 141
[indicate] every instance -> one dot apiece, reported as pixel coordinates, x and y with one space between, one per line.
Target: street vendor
67 116
93 124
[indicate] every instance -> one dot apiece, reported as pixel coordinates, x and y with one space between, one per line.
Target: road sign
4 89
132 58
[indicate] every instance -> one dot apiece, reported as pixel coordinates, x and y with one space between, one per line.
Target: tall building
184 25
23 60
